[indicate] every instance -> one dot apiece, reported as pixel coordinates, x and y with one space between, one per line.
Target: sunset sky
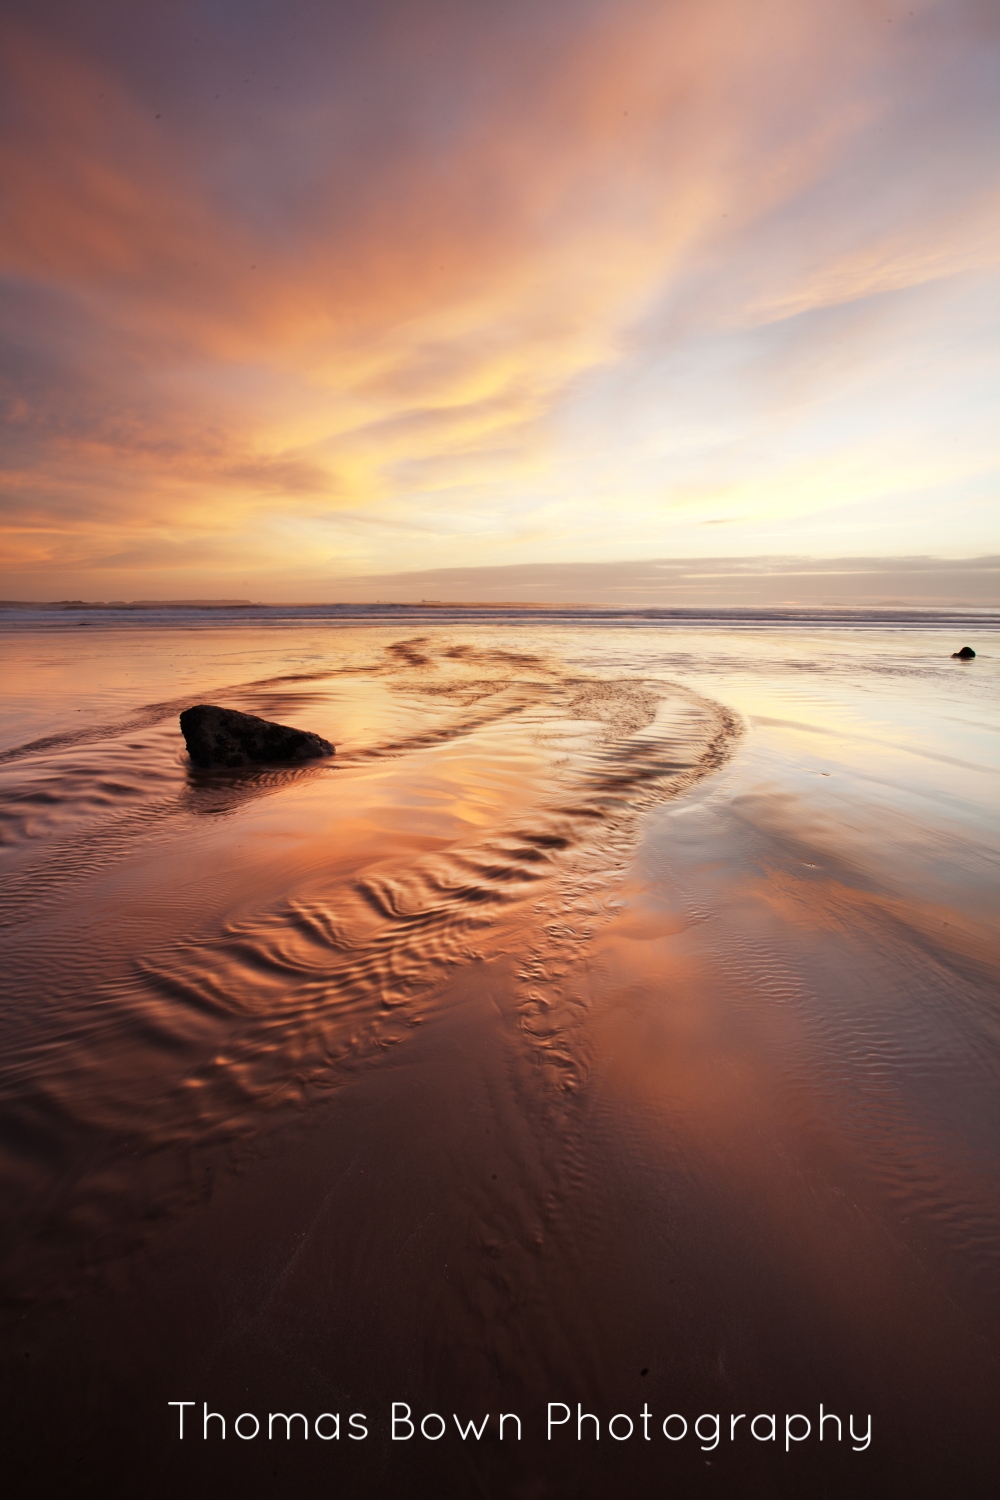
302 292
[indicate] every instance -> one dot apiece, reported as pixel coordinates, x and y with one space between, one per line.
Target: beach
609 1028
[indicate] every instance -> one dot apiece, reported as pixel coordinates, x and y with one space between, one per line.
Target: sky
300 297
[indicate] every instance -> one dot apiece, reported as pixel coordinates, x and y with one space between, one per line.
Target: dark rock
966 654
222 737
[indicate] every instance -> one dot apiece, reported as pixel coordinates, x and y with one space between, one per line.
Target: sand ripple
173 1009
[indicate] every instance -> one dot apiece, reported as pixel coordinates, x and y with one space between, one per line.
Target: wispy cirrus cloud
562 280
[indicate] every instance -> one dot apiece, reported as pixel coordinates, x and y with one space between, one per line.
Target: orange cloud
398 286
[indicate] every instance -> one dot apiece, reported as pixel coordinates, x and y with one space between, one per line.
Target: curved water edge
173 1013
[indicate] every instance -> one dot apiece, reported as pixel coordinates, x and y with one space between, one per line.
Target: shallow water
613 1019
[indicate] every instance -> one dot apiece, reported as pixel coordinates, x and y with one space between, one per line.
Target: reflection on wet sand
556 1042
210 793
263 957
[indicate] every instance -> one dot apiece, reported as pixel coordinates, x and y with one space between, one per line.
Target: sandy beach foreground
604 1040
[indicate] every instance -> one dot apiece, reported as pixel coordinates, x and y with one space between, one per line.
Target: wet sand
613 1022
